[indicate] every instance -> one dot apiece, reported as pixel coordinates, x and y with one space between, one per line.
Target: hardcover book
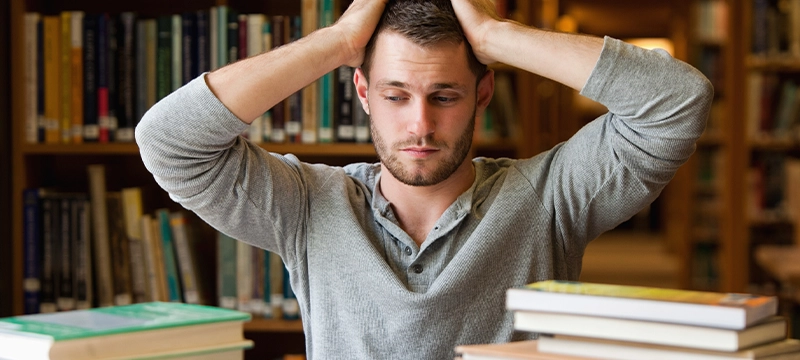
721 310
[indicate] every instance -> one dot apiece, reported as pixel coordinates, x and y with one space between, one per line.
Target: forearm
250 87
565 58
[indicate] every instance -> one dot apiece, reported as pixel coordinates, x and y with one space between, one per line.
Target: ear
362 88
485 90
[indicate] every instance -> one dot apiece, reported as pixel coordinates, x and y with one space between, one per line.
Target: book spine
294 115
47 300
326 83
102 252
255 46
113 84
65 124
31 107
158 255
222 35
203 50
279 112
76 61
226 273
186 261
188 45
32 252
148 255
244 275
163 57
131 216
242 36
52 77
177 50
141 70
168 253
120 250
345 129
102 79
232 36
65 296
82 253
91 129
126 97
266 118
257 303
151 32
276 284
41 120
310 96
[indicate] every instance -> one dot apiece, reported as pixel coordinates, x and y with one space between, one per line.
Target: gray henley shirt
365 289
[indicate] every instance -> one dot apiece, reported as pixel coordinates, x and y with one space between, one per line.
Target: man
409 257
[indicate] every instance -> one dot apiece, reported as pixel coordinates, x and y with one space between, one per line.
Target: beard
412 176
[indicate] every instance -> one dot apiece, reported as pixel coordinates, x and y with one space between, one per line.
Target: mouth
419 152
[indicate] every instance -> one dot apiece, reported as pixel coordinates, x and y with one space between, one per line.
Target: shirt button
417 268
408 250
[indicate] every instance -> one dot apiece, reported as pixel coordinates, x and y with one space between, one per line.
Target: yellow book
76 61
65 124
52 77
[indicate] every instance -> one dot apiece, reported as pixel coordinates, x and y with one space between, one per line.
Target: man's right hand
356 26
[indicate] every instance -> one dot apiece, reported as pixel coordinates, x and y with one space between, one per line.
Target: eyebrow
436 86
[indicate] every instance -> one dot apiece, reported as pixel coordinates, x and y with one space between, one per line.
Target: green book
142 330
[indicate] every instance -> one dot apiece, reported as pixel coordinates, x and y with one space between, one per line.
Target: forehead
397 58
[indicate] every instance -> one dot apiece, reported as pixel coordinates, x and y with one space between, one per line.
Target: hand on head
476 18
357 25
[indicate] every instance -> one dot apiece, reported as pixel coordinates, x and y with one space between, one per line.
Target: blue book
291 309
32 250
170 262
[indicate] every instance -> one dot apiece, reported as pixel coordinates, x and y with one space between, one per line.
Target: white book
698 337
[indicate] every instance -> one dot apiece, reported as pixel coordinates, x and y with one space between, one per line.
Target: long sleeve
619 163
190 143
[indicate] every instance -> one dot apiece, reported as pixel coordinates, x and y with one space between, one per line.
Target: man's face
422 103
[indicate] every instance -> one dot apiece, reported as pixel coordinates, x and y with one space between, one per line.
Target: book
515 350
722 310
52 77
310 95
32 249
32 21
91 129
120 250
699 337
168 255
101 249
226 271
76 76
623 350
65 66
187 259
129 331
132 214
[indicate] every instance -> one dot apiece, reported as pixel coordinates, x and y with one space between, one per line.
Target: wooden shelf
773 63
273 325
322 150
773 143
711 139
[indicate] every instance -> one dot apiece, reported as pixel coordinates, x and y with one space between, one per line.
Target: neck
417 208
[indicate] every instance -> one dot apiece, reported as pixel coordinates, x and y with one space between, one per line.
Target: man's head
422 87
426 23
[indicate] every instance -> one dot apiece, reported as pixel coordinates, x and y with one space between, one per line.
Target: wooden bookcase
64 166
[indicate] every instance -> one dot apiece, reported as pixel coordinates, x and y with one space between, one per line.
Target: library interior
76 76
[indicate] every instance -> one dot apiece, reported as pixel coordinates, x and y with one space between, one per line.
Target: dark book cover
203 49
188 46
112 60
91 129
280 26
32 250
102 78
163 57
126 79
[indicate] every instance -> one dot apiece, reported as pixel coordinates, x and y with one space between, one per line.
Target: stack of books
577 320
154 330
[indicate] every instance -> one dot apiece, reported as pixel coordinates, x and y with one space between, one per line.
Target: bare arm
252 86
566 58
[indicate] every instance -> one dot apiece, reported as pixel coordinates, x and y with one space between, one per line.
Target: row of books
91 77
154 330
711 20
99 248
773 107
773 181
599 321
776 28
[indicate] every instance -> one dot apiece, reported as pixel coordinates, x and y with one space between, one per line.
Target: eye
393 98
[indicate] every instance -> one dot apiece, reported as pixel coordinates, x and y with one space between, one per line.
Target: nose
423 121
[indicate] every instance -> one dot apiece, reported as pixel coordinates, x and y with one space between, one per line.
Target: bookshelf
63 166
5 163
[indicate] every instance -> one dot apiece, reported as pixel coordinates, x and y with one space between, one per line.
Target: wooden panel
5 167
18 168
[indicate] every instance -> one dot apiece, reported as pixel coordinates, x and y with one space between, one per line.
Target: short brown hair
425 23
